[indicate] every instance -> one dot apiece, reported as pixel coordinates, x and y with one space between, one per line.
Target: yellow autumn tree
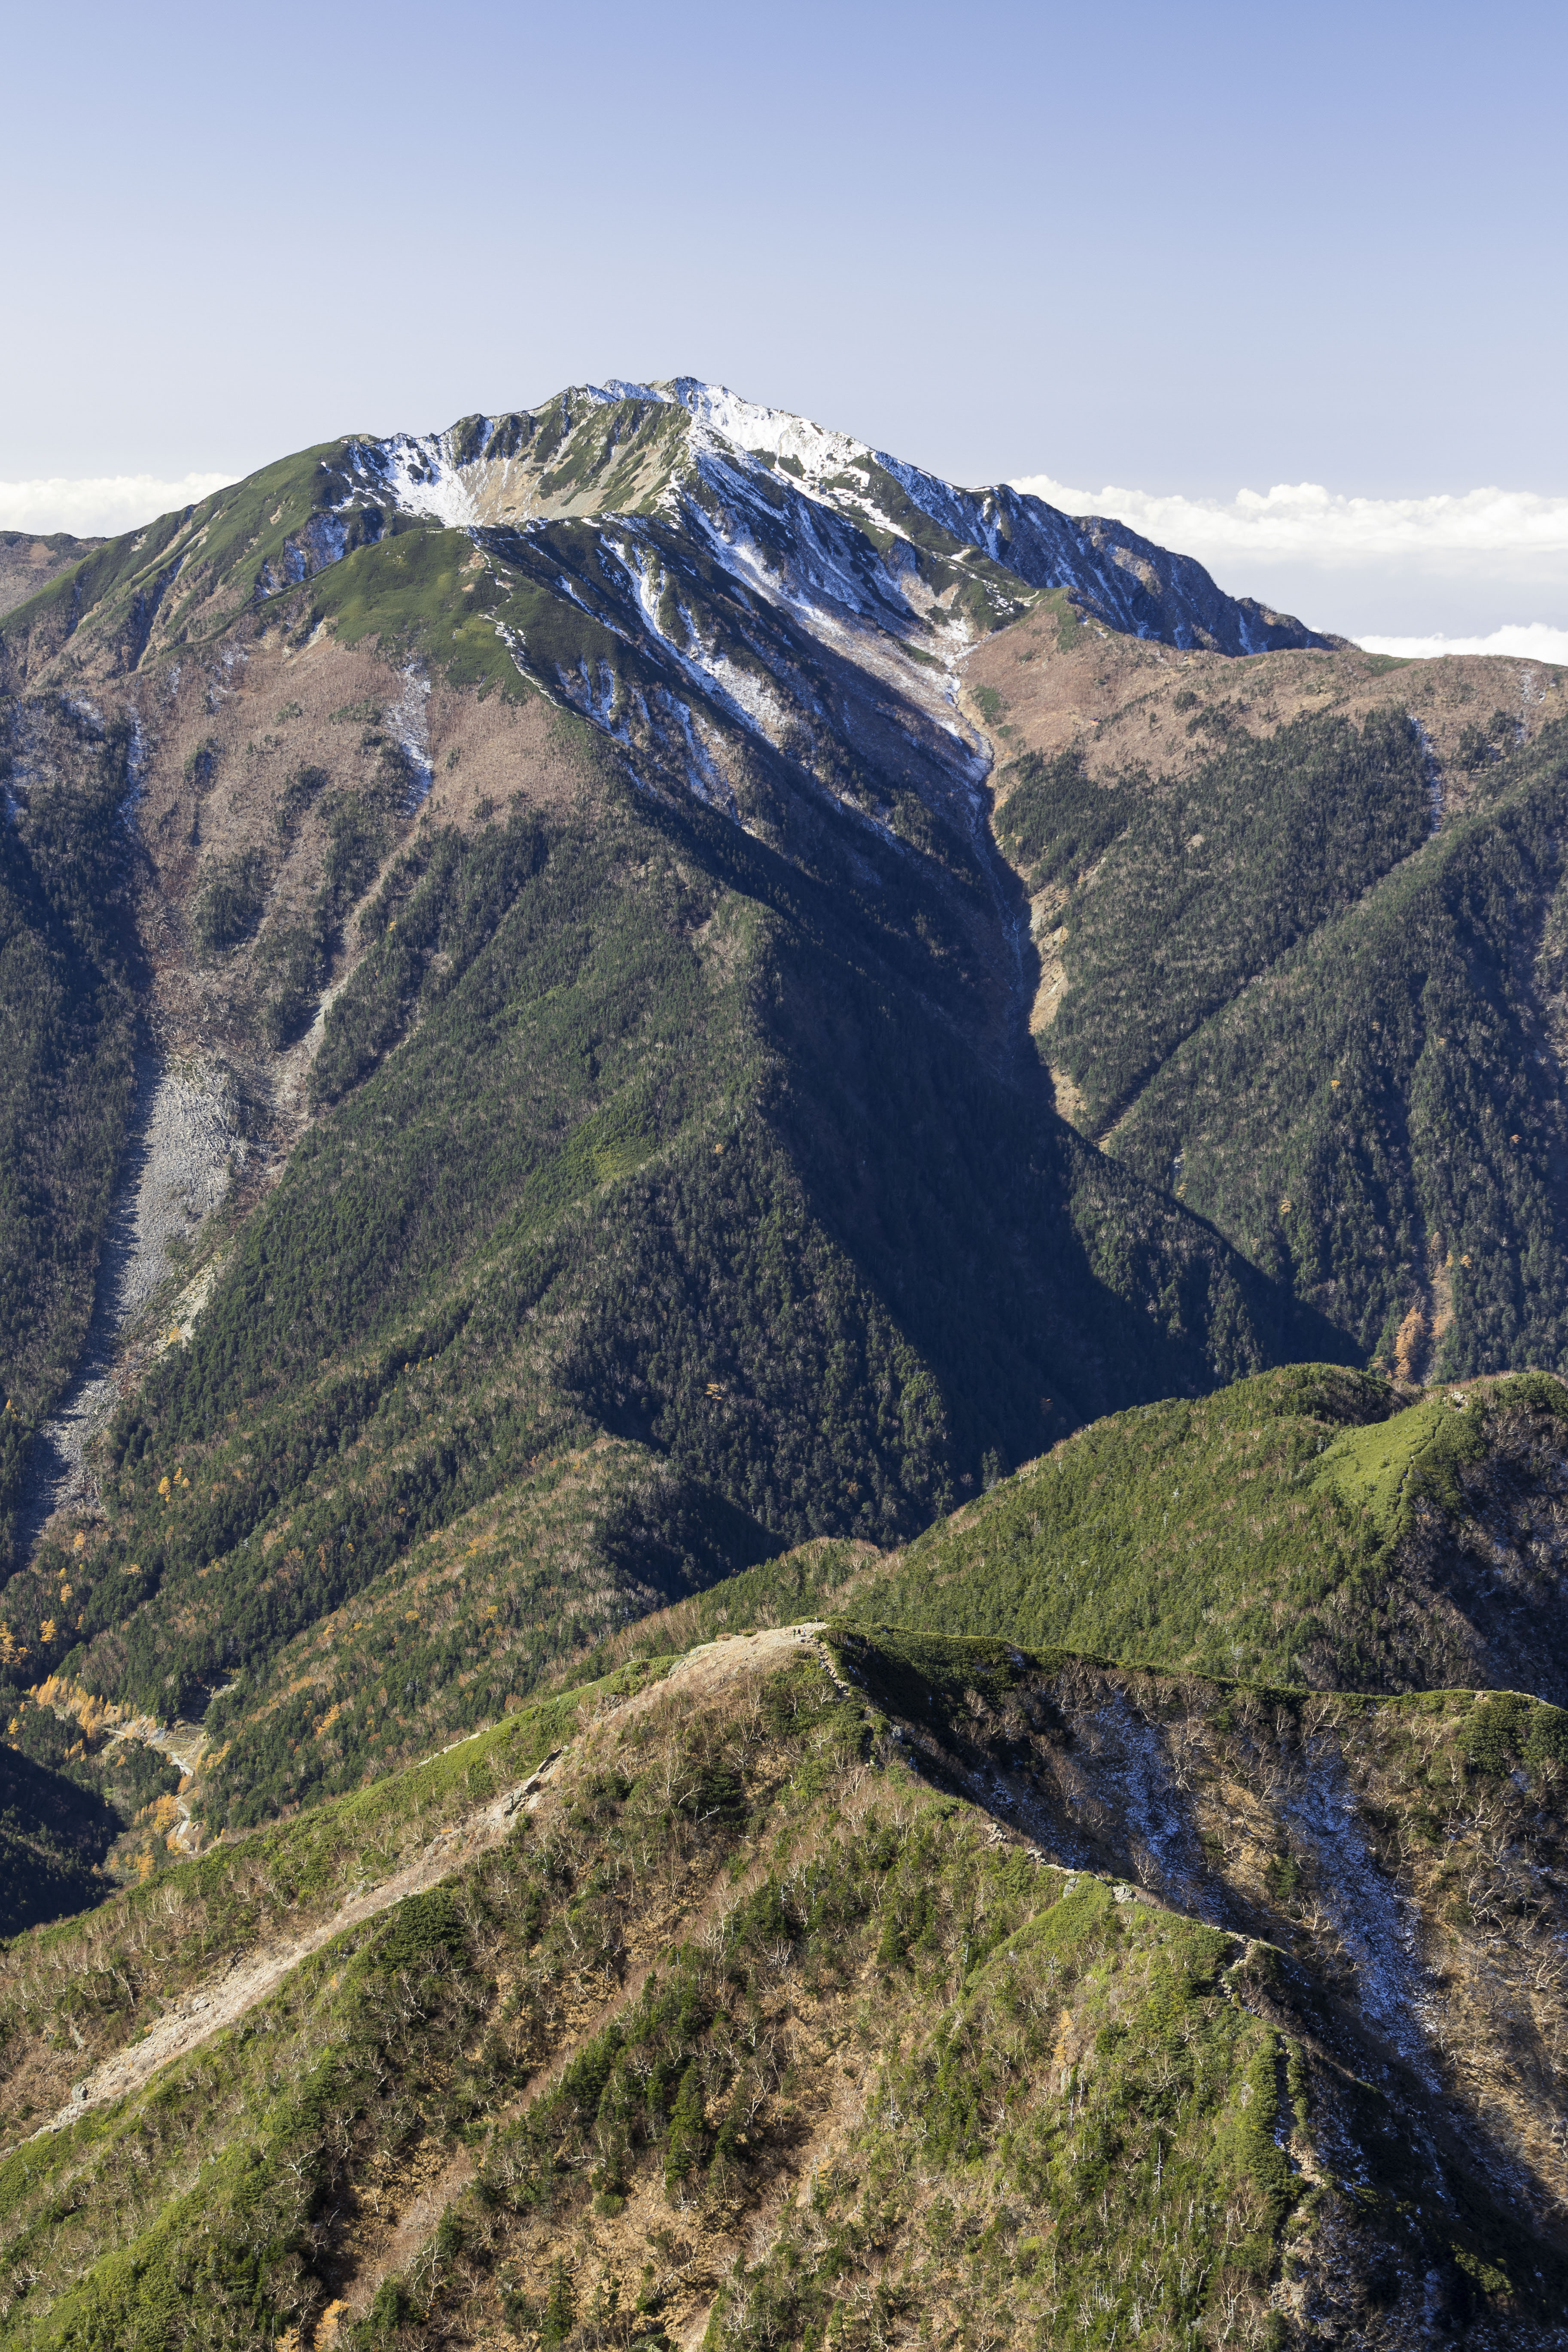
1410 1346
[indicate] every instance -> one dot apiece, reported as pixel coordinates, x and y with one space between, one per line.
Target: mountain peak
627 450
817 523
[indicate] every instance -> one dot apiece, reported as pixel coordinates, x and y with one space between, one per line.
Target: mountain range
633 1023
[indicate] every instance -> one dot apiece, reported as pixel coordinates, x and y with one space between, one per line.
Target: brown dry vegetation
259 711
29 561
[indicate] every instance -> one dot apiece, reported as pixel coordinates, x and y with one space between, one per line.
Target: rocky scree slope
882 1989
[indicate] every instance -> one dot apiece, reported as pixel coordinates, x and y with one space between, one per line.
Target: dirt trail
224 1999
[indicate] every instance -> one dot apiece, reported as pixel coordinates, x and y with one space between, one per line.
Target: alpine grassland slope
879 1988
1312 1526
560 846
1300 927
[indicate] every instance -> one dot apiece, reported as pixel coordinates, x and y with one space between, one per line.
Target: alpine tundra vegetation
783 1480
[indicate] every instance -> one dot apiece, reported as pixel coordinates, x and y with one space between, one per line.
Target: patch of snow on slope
745 423
749 696
323 539
746 426
618 388
420 476
811 571
703 776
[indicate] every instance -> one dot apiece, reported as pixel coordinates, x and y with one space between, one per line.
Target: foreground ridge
881 1962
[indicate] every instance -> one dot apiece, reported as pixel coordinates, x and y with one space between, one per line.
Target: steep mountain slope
1297 924
891 1991
583 1016
53 1836
72 973
530 1119
597 1190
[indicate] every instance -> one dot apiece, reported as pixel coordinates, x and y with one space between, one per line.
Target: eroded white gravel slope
186 1144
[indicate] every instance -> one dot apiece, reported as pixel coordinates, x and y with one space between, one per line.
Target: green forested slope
1208 882
1394 1081
70 971
1327 1026
683 1145
53 1833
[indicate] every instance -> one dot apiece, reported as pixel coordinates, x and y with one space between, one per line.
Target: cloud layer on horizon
1448 567
1295 521
1520 640
1302 521
98 506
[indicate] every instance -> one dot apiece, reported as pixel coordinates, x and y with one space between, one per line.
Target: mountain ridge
746 1910
462 477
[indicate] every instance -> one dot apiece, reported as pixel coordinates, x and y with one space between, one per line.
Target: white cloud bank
1302 519
1439 571
1527 641
100 505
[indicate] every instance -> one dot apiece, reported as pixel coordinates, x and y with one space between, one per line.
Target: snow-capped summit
631 449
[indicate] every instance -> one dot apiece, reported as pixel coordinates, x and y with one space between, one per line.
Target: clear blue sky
1185 247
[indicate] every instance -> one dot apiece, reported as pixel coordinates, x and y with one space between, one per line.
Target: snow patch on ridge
419 477
744 423
746 426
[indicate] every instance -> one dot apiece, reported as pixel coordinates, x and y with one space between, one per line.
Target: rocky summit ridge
636 448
